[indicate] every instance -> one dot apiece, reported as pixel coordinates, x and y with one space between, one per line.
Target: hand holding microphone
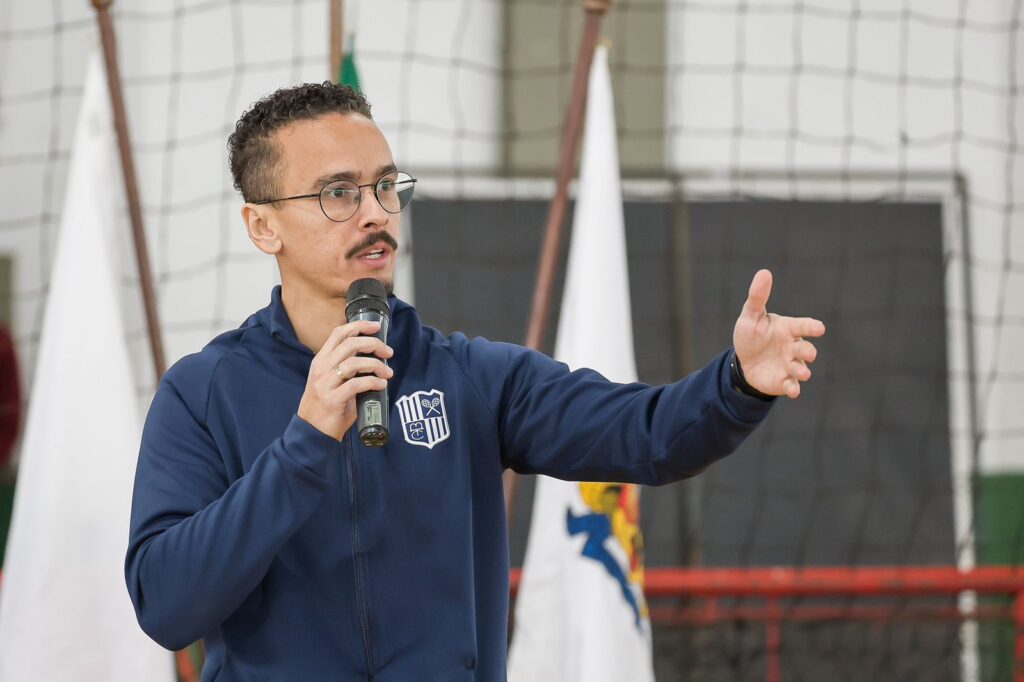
351 363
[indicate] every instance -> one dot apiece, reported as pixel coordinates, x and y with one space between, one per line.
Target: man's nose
370 212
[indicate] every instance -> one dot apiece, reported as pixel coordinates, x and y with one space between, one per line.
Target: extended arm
580 426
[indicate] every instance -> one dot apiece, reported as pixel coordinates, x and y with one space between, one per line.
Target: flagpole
337 38
131 187
595 11
183 664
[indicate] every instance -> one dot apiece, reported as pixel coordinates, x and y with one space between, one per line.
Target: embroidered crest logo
424 419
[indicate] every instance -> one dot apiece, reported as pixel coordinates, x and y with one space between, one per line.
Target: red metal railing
771 585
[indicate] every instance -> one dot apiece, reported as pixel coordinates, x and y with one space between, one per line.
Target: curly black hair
252 152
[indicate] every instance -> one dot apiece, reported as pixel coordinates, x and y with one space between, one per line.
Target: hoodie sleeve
199 544
580 426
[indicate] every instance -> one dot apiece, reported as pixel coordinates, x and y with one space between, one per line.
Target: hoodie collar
275 318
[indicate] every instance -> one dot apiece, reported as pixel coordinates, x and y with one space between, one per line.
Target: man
263 526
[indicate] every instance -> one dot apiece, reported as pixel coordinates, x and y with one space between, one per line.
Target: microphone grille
368 287
366 294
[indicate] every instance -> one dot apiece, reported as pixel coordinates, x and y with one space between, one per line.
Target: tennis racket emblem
424 418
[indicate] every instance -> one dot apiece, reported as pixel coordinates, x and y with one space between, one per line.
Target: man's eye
387 186
339 193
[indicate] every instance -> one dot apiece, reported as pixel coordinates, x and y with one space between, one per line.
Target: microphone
367 300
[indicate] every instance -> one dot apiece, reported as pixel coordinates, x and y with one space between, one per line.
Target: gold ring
341 375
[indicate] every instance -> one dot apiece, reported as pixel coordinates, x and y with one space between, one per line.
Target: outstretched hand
772 349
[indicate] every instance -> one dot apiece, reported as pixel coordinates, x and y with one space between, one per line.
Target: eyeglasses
339 200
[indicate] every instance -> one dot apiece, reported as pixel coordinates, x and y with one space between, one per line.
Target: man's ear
261 233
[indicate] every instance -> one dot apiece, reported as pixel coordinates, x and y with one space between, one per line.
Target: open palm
772 349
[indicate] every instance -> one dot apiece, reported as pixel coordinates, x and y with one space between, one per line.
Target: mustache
370 240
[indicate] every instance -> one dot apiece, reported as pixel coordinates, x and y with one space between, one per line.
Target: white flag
580 614
64 608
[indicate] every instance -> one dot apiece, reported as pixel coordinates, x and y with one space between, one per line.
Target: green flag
349 76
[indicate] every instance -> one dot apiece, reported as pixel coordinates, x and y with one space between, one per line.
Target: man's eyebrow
349 175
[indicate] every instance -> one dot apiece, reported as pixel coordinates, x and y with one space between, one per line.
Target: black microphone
367 300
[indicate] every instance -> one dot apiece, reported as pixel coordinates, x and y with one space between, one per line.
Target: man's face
326 255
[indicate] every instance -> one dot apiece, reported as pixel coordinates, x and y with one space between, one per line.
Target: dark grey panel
476 264
858 470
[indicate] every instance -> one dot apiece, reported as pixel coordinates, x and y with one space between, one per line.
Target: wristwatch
739 382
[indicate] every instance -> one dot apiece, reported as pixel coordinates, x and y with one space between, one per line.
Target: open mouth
377 247
377 255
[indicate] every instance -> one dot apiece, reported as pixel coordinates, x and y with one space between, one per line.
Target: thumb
757 297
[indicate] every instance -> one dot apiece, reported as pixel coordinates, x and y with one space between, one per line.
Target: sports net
866 151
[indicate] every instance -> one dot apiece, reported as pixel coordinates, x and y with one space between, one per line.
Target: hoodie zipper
357 558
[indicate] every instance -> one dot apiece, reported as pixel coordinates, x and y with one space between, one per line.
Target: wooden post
131 187
184 665
336 35
595 12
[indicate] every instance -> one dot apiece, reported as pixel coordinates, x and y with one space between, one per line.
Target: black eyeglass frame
375 185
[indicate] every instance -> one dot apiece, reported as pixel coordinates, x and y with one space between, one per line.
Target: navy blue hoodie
299 557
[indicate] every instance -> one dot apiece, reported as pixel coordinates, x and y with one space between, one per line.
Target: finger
804 351
345 331
799 371
792 388
757 296
356 366
806 326
353 345
351 388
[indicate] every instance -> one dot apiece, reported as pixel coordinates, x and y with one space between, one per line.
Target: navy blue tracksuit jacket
299 557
